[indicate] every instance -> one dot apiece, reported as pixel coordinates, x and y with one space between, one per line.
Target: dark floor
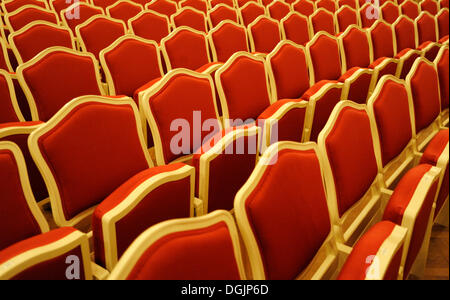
438 262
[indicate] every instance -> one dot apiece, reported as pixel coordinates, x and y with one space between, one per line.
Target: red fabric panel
404 32
191 19
295 181
200 5
221 14
132 63
410 9
103 3
29 15
304 7
425 94
279 10
346 17
213 3
170 200
400 200
84 12
22 100
7 113
356 48
323 21
58 78
163 7
429 6
251 12
187 49
3 65
296 29
13 5
443 71
389 69
442 22
426 29
124 11
327 4
205 253
390 12
352 3
151 27
104 150
229 40
369 10
325 59
359 88
351 155
382 41
407 64
266 35
362 255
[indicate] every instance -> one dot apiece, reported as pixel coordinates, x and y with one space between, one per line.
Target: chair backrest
222 12
295 27
185 48
5 63
165 7
355 48
323 51
346 16
410 8
21 214
264 34
250 11
13 5
304 7
425 26
430 6
123 10
442 63
103 3
104 139
176 249
351 3
214 3
405 33
200 5
423 81
9 107
27 14
190 17
382 39
278 9
129 63
78 13
233 81
291 173
390 12
391 108
368 14
443 3
287 66
173 105
442 23
322 20
329 5
242 3
38 36
150 25
226 39
54 77
98 32
59 5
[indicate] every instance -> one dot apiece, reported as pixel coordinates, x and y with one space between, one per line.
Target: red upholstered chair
368 14
13 5
78 13
103 3
190 17
430 6
214 3
150 25
442 25
54 77
105 159
322 20
264 34
442 63
99 32
197 248
27 14
222 12
405 40
123 10
278 9
410 8
201 5
226 39
242 3
427 35
295 27
9 108
390 12
5 63
304 7
329 5
38 36
346 16
351 3
28 231
250 11
165 7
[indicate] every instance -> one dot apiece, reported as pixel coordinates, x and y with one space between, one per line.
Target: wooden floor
438 262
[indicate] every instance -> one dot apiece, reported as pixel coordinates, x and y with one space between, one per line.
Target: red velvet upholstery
359 87
351 155
59 5
40 37
278 10
191 18
442 68
4 58
83 12
103 3
442 22
404 33
322 21
100 33
390 12
345 18
140 66
223 13
95 134
57 78
169 200
187 49
400 200
300 213
205 253
325 58
266 35
124 11
228 40
213 3
369 14
410 9
368 245
407 64
151 26
356 48
425 94
251 12
443 3
11 6
164 7
200 5
241 3
430 6
382 41
305 7
329 5
296 29
390 68
426 29
352 3
391 109
29 15
7 112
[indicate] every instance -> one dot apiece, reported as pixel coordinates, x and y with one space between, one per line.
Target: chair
190 17
200 5
329 5
304 7
150 25
430 6
78 13
345 16
264 34
250 11
442 25
295 27
54 77
427 35
5 63
178 251
322 20
222 12
28 232
278 10
441 63
390 12
27 14
13 5
405 38
99 32
351 3
123 10
9 111
368 14
410 8
38 36
164 7
226 39
214 3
